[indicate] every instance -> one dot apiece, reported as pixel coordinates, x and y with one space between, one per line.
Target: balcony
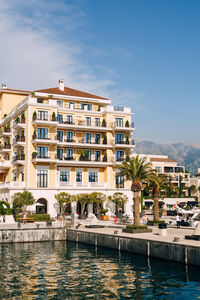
5 132
19 123
83 185
19 141
5 164
83 143
12 184
83 161
44 139
19 159
128 126
49 157
124 144
83 125
50 121
5 148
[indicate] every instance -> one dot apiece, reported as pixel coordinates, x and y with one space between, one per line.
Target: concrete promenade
149 244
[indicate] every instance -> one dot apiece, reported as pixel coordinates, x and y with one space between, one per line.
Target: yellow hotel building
61 139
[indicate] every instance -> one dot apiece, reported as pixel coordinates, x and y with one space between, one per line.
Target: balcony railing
6 146
19 139
19 157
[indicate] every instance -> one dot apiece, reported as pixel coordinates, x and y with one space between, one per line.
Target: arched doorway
41 206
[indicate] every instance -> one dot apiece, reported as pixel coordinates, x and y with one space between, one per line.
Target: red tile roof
69 92
162 159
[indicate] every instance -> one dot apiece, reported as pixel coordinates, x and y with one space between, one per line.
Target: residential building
61 139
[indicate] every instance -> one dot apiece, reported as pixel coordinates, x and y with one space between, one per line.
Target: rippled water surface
63 270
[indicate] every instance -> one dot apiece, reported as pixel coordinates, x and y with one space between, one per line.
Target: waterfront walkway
150 236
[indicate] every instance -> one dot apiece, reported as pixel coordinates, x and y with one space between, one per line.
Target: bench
27 220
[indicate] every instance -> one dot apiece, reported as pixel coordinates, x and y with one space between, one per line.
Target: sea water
65 270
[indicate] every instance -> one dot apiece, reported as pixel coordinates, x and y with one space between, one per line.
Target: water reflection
60 270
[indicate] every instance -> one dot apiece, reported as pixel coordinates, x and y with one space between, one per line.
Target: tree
64 199
119 199
21 200
138 171
192 190
3 210
159 183
97 199
83 199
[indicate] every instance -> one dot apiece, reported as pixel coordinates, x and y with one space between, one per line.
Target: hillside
187 155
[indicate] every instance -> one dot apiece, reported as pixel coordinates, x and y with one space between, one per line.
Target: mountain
187 155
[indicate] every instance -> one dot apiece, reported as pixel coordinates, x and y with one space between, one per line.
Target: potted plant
127 124
34 115
127 140
22 156
82 158
8 128
17 120
105 159
127 157
22 118
34 135
104 139
53 116
103 123
34 155
103 216
22 136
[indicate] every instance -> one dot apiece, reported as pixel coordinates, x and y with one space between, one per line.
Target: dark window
93 177
42 115
60 118
42 133
64 176
78 176
119 181
42 152
119 155
97 155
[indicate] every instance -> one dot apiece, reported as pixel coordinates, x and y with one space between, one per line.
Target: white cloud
37 49
31 54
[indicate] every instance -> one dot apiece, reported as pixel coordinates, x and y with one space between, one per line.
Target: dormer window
86 106
40 100
60 103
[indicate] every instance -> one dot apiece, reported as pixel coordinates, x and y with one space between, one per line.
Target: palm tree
138 171
192 190
159 183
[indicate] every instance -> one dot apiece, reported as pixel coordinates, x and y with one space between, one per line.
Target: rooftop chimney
4 86
61 85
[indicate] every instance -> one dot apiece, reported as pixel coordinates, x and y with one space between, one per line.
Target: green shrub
151 222
136 227
37 218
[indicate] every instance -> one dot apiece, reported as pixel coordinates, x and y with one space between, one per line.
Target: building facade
61 139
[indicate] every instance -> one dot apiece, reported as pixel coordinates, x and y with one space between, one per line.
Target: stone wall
164 250
32 235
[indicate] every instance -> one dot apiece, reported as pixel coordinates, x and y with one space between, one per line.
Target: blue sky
139 53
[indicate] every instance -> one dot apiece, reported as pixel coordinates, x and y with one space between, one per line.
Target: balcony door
42 152
42 133
119 138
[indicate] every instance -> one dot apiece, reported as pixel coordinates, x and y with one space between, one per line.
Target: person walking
178 221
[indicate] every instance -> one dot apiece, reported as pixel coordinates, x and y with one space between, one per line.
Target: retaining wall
164 250
32 235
